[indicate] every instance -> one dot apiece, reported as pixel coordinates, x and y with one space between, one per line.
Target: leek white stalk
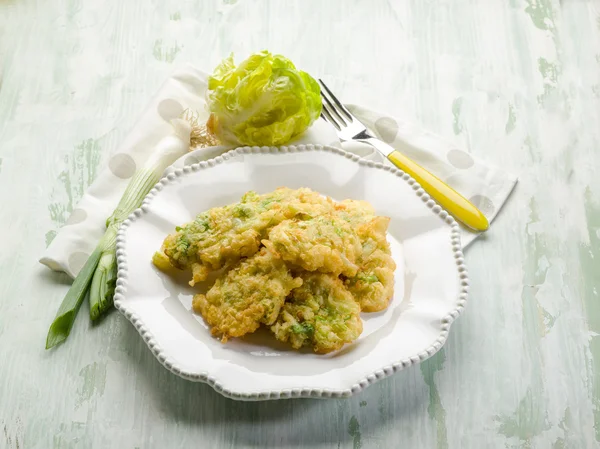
100 269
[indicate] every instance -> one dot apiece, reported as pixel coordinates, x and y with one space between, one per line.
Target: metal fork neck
380 146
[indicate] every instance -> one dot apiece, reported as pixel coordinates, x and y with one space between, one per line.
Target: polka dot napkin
486 186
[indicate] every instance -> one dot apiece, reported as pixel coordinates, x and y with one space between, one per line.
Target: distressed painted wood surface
516 82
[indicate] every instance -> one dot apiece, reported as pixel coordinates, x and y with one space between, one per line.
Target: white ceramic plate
430 291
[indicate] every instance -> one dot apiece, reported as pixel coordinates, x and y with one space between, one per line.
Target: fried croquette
250 294
373 284
325 243
321 313
223 235
292 260
355 212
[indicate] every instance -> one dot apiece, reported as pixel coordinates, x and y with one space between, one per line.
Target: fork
350 128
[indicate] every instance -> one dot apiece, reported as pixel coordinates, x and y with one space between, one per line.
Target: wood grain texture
515 82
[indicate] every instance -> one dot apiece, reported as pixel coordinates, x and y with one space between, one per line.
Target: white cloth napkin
486 186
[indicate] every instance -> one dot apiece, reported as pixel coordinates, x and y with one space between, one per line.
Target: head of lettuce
264 100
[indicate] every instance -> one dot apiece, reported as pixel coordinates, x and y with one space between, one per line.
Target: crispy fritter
355 212
373 284
320 313
250 294
292 260
223 235
325 243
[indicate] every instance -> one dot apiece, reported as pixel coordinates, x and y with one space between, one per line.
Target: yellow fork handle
452 201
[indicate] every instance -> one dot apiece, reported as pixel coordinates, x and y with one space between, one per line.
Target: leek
105 277
65 317
99 274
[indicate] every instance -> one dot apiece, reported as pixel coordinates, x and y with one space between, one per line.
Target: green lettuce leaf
265 100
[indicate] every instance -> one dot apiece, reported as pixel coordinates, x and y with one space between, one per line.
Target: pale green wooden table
515 82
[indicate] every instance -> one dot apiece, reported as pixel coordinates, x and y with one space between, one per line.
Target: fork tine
326 114
333 110
337 102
